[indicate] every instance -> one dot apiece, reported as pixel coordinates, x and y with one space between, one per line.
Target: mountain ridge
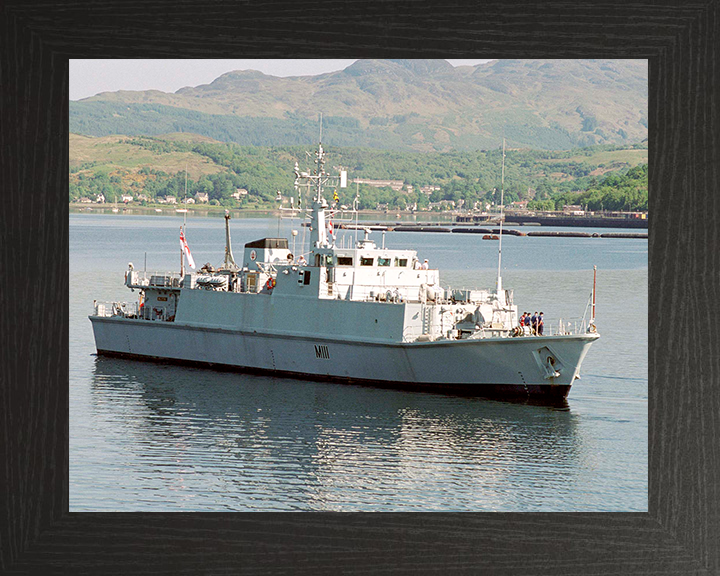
422 105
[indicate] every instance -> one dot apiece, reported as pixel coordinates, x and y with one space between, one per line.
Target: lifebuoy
270 284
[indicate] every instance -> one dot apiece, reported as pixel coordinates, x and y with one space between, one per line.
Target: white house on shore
100 199
202 197
396 185
239 193
126 198
574 209
170 200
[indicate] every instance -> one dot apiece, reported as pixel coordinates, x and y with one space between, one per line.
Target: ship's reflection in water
196 439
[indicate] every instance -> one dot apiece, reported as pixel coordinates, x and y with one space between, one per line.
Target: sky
90 77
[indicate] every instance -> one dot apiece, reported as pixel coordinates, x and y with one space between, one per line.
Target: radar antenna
317 180
182 254
502 197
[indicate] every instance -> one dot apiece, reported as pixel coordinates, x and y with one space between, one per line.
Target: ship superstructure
363 313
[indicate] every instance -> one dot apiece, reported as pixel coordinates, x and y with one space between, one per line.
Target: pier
434 227
595 220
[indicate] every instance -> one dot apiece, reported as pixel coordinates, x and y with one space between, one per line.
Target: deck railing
564 327
123 309
132 310
159 279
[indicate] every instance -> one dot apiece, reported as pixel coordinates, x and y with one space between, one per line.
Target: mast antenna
592 315
356 206
502 197
186 204
182 255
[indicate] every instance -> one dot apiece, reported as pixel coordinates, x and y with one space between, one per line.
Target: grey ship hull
491 367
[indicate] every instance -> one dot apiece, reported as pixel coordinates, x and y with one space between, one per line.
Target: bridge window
323 259
402 262
383 261
364 261
344 261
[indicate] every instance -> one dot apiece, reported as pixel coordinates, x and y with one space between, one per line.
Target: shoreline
205 210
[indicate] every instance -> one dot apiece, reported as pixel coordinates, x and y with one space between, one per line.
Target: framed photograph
588 527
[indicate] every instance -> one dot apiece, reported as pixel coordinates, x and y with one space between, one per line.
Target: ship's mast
318 231
502 197
592 315
182 254
356 207
316 180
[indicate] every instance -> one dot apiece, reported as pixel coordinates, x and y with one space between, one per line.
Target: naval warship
362 314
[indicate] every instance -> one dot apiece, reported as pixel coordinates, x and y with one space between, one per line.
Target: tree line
467 178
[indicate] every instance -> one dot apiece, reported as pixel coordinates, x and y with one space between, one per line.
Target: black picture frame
681 531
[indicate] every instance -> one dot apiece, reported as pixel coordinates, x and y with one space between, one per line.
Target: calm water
154 437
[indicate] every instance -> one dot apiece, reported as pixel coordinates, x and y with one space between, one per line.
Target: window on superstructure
366 261
344 261
401 262
383 261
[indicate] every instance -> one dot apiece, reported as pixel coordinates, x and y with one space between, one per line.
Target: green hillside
404 105
156 167
112 154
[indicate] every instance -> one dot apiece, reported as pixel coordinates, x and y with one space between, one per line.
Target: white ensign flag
184 246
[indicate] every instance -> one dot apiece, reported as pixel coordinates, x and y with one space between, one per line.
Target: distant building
239 193
142 198
573 209
126 198
84 200
170 200
520 205
188 201
442 205
201 197
100 199
396 185
480 205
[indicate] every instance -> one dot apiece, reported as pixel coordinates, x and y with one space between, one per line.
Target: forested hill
405 105
615 177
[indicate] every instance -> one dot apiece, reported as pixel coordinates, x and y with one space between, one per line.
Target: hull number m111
322 352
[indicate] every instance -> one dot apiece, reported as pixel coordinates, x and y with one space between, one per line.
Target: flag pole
182 256
502 199
592 319
182 229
